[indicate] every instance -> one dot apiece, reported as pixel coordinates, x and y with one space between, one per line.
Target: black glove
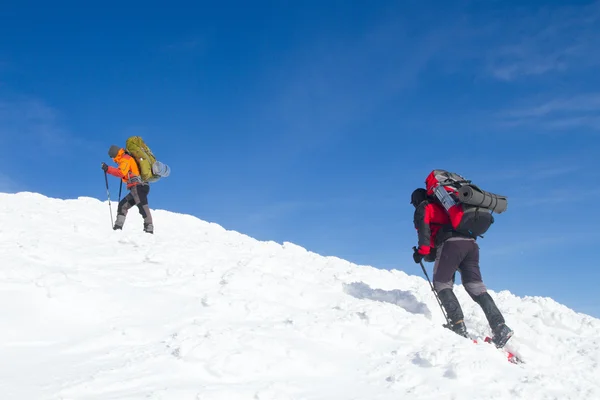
104 167
417 256
431 256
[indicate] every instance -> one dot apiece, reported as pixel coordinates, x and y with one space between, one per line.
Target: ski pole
448 324
108 194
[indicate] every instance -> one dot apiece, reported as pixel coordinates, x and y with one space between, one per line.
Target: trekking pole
120 188
108 194
448 324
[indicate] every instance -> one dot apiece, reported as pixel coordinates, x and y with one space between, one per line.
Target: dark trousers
138 196
462 255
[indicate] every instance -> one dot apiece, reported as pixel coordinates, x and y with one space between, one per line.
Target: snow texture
201 313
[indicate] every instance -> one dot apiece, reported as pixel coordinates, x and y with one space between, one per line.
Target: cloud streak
7 185
564 169
579 103
563 113
24 119
529 245
551 40
330 86
30 123
279 210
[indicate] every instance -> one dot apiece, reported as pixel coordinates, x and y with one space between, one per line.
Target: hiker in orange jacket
129 173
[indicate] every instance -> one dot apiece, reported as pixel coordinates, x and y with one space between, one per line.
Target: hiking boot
149 228
460 328
119 222
501 335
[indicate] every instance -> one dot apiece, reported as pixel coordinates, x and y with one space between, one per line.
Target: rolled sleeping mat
161 169
472 195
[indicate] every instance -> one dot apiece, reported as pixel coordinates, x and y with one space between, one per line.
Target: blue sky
313 121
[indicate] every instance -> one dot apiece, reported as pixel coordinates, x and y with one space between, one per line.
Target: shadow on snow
400 298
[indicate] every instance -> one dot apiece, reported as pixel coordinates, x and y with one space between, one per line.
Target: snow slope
198 312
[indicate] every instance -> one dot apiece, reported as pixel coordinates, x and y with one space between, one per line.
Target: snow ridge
199 312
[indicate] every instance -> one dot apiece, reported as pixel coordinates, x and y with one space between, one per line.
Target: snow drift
198 312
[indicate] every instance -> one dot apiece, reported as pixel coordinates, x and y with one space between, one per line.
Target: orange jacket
128 169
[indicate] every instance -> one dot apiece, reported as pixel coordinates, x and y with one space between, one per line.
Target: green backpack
151 170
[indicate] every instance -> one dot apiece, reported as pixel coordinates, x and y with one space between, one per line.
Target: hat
113 151
418 196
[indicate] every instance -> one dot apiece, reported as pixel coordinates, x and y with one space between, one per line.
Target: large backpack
151 170
470 208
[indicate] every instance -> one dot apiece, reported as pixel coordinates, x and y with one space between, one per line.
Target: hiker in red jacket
453 251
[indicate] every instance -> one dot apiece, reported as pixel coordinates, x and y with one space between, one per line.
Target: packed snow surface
199 312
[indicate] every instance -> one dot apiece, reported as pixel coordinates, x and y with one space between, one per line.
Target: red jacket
429 218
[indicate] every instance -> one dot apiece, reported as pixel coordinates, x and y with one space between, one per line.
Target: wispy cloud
579 103
24 119
32 122
512 62
532 243
279 210
553 171
564 113
559 167
330 86
283 209
553 39
550 195
8 185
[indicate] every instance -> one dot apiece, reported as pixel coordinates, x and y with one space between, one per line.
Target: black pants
462 255
138 196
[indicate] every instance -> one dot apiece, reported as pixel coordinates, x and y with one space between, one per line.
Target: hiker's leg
447 260
124 206
473 282
141 196
469 269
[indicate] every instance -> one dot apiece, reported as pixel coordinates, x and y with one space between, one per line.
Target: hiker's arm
114 172
121 171
421 221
